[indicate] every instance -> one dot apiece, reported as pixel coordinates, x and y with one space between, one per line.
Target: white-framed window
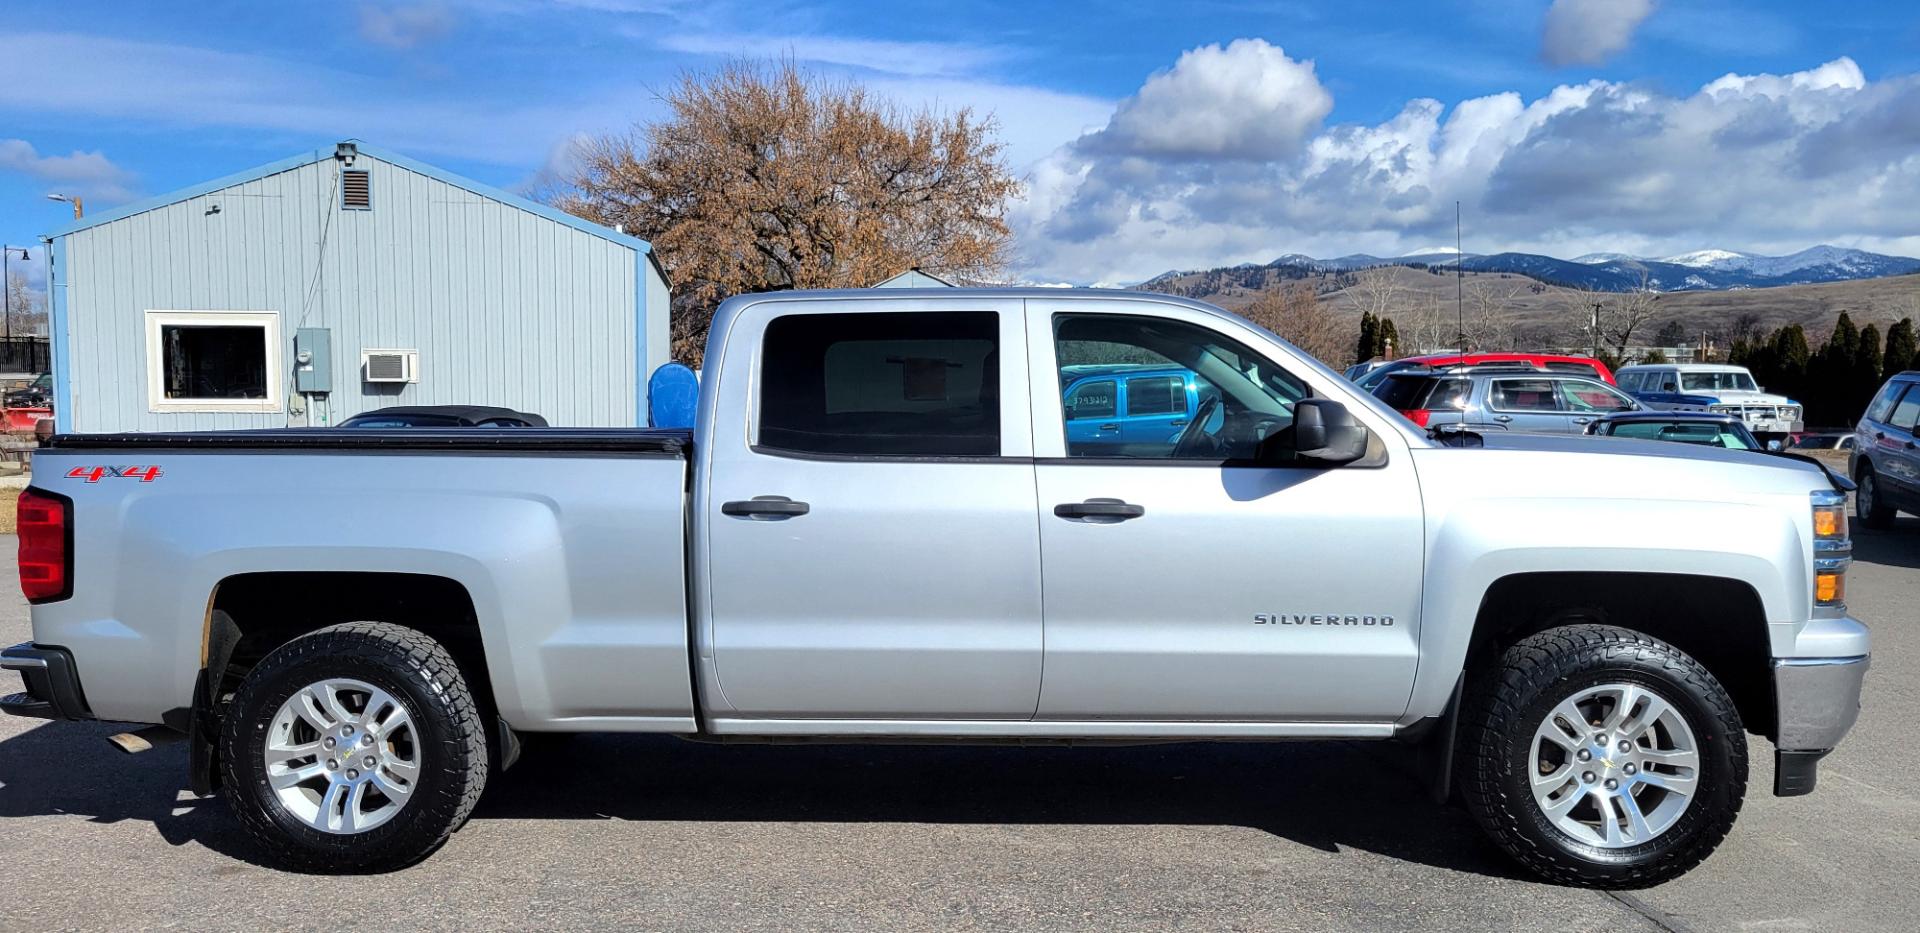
214 361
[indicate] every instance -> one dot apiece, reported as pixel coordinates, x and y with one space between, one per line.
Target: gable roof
325 153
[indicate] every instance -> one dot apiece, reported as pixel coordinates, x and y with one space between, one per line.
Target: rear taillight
46 546
1418 416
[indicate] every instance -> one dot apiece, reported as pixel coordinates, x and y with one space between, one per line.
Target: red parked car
1577 365
1553 363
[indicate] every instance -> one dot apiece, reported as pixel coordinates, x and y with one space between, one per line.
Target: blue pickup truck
1114 408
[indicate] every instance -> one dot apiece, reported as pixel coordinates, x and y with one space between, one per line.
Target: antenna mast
1459 285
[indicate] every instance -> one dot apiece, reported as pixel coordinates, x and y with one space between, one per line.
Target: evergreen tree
1672 334
1368 347
1390 338
1865 377
1829 382
1787 359
1900 349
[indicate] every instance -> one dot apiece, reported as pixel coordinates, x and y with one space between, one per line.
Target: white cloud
1247 100
90 174
1588 32
406 26
1761 162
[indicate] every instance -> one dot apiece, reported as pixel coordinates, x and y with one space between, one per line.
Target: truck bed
568 543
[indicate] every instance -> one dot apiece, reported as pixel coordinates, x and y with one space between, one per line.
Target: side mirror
1323 431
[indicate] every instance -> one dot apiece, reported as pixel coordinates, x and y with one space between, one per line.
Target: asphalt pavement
653 833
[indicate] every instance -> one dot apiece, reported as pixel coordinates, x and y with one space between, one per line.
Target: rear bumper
1817 701
52 682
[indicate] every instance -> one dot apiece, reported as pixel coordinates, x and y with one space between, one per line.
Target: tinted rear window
887 384
1404 392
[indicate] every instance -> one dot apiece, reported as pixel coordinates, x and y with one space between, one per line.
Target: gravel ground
648 833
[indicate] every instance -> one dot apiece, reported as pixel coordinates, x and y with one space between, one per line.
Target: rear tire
1869 504
1557 695
392 688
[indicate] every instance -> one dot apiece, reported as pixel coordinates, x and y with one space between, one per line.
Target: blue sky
1154 135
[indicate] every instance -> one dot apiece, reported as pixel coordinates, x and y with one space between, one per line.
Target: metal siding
506 306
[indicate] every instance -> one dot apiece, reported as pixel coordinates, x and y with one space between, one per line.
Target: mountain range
1700 270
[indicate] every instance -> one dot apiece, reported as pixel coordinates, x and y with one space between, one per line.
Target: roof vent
356 190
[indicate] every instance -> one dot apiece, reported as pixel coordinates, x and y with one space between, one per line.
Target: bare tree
1296 313
763 177
1375 291
1491 303
1430 326
1624 312
28 306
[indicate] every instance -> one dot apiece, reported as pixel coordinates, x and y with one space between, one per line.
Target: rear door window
887 384
1092 400
1523 395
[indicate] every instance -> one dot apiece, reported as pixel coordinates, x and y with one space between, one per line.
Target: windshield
1685 432
1723 382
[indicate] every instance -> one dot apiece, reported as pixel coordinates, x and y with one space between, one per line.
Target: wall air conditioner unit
390 365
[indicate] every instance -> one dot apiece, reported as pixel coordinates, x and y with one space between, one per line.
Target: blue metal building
345 279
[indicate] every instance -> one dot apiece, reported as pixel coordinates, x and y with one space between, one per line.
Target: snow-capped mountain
1700 270
1594 259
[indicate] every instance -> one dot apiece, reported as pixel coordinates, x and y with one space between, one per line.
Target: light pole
6 290
69 199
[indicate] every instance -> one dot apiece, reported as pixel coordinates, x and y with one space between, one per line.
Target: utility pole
1594 329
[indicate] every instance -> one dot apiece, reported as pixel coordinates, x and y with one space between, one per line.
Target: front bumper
53 684
1816 701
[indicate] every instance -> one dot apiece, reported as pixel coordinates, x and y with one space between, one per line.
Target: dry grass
1548 314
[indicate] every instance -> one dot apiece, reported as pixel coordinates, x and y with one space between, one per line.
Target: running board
1051 729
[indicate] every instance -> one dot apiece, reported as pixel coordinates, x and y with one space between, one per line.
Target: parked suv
1715 387
1884 461
1502 398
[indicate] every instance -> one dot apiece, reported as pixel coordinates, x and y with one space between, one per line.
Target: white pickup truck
884 530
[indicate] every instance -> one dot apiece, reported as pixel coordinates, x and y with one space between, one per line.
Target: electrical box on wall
390 365
313 360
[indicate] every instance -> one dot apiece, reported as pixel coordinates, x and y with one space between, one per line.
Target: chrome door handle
1583 421
1503 419
1110 427
1177 424
765 508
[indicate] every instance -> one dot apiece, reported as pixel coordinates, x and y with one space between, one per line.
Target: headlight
1832 550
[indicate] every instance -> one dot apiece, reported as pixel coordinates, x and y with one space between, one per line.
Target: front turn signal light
1830 588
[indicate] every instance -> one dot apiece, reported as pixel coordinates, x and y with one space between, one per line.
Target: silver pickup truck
883 530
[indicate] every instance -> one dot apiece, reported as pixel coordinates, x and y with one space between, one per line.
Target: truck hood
1630 466
1746 398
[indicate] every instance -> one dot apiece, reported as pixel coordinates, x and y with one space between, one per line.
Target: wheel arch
250 614
1719 621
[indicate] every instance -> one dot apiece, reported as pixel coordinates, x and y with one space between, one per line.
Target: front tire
356 748
1869 505
1602 757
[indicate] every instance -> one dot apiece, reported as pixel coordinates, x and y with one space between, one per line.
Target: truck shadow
1898 546
1330 797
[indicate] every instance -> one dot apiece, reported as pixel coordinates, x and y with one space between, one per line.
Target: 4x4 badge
94 474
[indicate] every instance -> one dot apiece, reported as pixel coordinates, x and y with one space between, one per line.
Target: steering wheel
1189 441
